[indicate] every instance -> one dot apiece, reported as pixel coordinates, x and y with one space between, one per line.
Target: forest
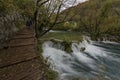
95 18
60 39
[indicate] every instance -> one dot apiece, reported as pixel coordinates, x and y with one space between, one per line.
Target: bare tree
47 14
117 12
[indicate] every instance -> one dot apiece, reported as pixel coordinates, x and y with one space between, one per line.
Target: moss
82 49
64 36
67 46
64 43
56 41
88 41
49 73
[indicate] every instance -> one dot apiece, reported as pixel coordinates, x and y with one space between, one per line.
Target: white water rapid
98 58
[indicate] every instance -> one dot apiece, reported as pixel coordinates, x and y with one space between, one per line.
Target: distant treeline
98 18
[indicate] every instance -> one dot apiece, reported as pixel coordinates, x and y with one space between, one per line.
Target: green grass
65 36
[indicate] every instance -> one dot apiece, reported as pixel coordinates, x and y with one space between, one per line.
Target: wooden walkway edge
19 60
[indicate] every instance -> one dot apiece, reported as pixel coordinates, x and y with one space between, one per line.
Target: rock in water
82 49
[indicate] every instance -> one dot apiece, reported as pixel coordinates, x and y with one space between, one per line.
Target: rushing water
99 58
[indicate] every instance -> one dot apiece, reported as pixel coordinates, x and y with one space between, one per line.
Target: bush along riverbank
49 74
64 39
106 37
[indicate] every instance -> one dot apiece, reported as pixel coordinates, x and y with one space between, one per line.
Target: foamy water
79 64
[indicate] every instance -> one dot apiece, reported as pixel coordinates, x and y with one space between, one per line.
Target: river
100 59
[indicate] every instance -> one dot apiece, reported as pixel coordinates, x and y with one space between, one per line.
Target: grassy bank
65 36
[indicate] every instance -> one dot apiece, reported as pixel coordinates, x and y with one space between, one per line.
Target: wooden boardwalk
19 60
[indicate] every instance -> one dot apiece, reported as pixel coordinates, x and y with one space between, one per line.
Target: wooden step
35 75
21 42
18 60
23 36
16 54
19 71
26 31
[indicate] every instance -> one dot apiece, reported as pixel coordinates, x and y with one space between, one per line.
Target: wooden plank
20 42
18 60
24 36
17 54
19 71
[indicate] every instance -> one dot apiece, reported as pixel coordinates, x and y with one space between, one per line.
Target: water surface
99 59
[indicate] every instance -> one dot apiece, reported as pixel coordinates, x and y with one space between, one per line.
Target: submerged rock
67 46
82 49
61 44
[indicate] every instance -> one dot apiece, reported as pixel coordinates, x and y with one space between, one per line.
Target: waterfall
85 64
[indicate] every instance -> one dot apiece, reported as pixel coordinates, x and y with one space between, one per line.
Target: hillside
95 17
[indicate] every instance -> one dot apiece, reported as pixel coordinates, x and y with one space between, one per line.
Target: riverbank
64 39
65 36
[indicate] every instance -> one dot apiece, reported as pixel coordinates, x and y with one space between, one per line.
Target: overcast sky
69 3
78 1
